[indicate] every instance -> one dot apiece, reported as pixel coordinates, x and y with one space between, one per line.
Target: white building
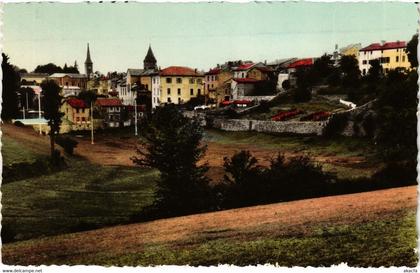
155 91
125 94
367 54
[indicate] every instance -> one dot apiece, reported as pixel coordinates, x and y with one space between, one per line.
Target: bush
336 125
67 143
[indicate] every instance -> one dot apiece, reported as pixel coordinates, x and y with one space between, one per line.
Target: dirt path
258 222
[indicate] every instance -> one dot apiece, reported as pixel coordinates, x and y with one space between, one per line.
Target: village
123 98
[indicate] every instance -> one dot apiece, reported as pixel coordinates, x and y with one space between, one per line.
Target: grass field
80 197
367 229
14 152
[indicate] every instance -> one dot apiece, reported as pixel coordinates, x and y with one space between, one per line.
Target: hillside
365 229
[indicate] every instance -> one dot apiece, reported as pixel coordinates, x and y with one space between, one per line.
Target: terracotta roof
301 62
213 71
393 45
244 66
385 46
76 103
245 80
108 102
179 71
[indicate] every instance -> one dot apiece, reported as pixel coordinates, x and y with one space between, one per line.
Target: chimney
265 62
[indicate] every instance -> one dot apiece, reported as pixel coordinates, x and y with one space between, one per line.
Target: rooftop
179 71
108 102
76 103
71 75
385 46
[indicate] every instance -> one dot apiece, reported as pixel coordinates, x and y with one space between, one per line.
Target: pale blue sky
198 35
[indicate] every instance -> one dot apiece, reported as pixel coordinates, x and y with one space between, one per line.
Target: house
391 55
111 110
292 68
351 50
215 81
179 84
72 84
76 114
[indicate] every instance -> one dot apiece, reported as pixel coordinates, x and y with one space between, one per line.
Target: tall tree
52 104
11 83
412 50
173 146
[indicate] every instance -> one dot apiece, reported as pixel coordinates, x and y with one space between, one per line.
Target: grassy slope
83 196
331 230
311 146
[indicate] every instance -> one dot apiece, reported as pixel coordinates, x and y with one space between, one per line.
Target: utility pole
91 123
39 112
135 117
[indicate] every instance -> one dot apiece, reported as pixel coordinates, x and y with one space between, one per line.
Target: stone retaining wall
282 127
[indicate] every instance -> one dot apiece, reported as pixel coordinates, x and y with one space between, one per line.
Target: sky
198 35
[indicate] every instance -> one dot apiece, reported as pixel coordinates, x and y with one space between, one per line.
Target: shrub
336 124
67 143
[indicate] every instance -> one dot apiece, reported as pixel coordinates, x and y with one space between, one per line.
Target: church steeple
88 63
149 61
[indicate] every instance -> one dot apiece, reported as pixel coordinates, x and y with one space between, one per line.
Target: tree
11 83
52 102
322 67
412 50
27 96
242 177
375 72
88 96
173 146
49 68
304 82
397 122
350 71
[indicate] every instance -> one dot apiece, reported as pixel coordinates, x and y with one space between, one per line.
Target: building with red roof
76 113
179 84
110 110
391 55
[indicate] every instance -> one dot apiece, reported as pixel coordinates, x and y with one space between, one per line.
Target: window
178 80
83 119
169 99
168 80
77 110
364 62
192 80
397 59
67 83
198 92
191 91
169 91
77 119
403 59
179 91
179 100
199 81
364 71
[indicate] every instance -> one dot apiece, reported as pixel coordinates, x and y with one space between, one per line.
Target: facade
391 55
214 84
76 114
156 91
67 80
110 110
125 94
179 84
243 87
88 64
